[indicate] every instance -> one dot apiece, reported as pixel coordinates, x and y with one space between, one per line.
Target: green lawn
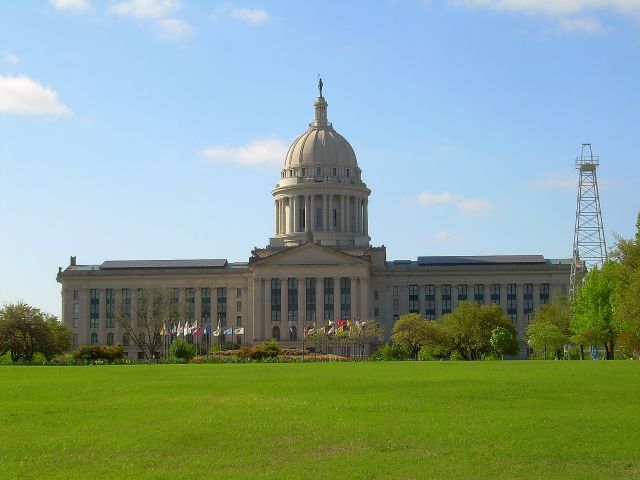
401 420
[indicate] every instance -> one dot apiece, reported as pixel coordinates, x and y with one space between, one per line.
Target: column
422 293
276 216
503 297
302 308
197 303
336 298
364 298
438 294
347 216
296 213
291 228
365 217
520 318
266 323
536 296
330 214
102 313
343 204
307 213
325 213
320 301
312 217
358 210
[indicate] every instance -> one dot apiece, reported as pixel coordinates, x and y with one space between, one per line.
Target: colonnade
326 213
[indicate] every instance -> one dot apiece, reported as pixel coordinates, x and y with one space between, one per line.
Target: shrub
91 353
181 351
269 349
392 351
231 346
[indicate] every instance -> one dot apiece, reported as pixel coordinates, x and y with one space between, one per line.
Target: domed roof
321 144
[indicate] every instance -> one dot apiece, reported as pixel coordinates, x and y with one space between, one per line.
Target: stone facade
319 266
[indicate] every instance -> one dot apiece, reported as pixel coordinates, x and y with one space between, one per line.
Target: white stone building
319 266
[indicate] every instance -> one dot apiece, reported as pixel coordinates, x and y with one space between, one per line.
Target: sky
156 129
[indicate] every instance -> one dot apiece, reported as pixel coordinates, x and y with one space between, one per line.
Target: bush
91 353
392 351
268 349
181 351
231 346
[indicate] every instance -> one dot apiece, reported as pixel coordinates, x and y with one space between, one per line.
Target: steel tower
589 247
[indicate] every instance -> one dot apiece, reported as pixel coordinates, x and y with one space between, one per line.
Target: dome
320 144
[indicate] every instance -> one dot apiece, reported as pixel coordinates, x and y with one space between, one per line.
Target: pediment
311 254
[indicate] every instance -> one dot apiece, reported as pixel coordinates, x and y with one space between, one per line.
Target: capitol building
318 266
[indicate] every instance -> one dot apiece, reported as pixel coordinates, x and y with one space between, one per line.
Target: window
238 293
335 218
140 355
345 298
205 305
376 295
310 298
110 338
292 299
478 293
495 294
76 294
304 172
76 322
544 293
430 302
348 173
293 333
328 298
376 311
110 306
125 339
318 218
276 294
275 333
94 308
413 299
126 303
75 339
190 303
528 298
94 338
238 306
462 292
76 308
335 172
395 290
174 310
222 305
395 304
238 320
318 171
446 299
512 303
141 312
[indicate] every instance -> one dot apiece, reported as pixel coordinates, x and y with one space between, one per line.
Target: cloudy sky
156 128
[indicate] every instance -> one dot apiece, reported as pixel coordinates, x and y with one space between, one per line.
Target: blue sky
157 128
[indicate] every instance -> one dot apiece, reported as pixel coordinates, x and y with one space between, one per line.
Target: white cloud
10 58
557 181
583 25
555 8
24 96
474 206
145 8
447 237
266 151
173 28
247 15
467 206
426 198
73 6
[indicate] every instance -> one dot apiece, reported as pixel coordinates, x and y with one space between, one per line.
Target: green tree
413 332
25 331
550 329
181 351
592 320
503 341
469 328
365 333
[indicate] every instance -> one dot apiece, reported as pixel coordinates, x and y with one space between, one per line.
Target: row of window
305 171
478 290
310 299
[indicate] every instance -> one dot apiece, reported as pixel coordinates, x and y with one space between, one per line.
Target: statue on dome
320 85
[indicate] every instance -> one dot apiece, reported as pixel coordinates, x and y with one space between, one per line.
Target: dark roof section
149 264
481 260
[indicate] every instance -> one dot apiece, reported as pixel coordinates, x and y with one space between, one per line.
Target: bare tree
145 322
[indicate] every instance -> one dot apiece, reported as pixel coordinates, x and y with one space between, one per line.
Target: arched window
276 333
125 339
94 338
293 333
109 338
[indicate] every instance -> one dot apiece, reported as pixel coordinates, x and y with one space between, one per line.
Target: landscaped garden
499 420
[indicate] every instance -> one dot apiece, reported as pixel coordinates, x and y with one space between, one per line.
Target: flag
208 330
228 331
198 331
341 322
239 331
216 332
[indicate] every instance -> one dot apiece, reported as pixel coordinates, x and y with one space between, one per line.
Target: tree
469 328
592 320
413 332
550 330
25 331
154 308
181 351
503 341
365 333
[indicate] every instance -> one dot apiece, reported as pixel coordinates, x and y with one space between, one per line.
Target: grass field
498 420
